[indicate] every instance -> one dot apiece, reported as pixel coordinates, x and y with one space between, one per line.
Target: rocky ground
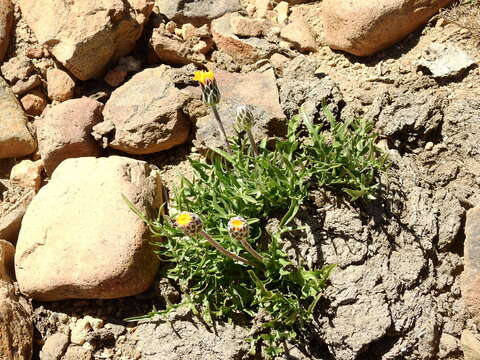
107 106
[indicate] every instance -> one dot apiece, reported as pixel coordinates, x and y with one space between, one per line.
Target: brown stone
16 328
115 77
27 174
34 53
243 89
85 36
300 34
15 139
244 26
470 284
78 220
146 114
6 22
244 51
23 86
64 131
34 103
363 28
60 85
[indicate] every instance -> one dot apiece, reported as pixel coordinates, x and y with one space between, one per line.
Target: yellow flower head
203 76
238 228
184 218
189 223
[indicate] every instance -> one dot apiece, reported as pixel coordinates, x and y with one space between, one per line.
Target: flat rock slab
79 239
197 12
258 90
445 60
471 274
6 22
15 139
363 28
145 114
85 36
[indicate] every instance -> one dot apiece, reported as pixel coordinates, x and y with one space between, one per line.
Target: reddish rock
115 77
6 22
79 220
60 85
64 131
363 28
34 53
145 114
471 275
243 51
34 103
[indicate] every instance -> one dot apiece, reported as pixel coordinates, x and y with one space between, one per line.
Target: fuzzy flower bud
245 118
238 228
189 223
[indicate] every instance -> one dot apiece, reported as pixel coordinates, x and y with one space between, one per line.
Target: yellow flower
237 222
184 219
203 76
238 228
189 223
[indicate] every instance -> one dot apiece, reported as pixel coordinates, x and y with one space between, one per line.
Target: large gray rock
85 36
79 239
64 131
6 22
15 139
196 12
145 114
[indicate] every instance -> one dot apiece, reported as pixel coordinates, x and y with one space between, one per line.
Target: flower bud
210 92
238 228
245 118
189 223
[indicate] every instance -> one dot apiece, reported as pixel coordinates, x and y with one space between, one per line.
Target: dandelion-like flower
189 223
210 92
238 228
244 120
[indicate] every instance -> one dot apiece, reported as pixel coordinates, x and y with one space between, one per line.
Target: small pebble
429 146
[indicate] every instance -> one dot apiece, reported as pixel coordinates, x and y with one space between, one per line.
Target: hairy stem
251 250
222 129
252 142
224 251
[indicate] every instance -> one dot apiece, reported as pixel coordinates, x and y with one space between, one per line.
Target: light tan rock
54 346
146 114
27 174
34 103
19 67
64 131
86 35
188 31
6 22
79 238
60 85
16 328
11 218
300 34
282 12
363 28
262 7
470 345
15 139
23 86
245 26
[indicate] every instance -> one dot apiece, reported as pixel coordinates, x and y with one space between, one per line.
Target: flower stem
222 129
251 250
252 142
224 251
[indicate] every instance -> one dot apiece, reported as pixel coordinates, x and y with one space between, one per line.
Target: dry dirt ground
396 293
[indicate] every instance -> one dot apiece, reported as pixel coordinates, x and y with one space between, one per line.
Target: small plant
215 241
